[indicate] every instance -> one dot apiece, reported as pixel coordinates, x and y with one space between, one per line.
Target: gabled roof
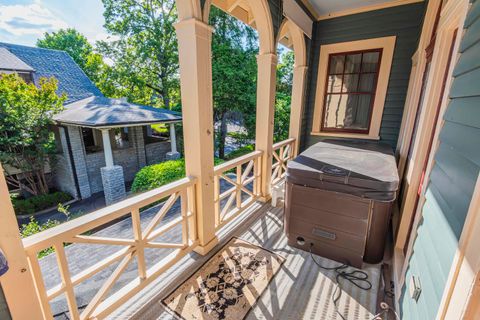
54 63
10 62
101 112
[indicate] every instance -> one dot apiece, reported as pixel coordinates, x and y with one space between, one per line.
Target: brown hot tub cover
363 169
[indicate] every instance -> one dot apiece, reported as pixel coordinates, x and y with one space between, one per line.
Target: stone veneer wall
122 157
138 143
63 173
113 184
156 152
88 166
79 157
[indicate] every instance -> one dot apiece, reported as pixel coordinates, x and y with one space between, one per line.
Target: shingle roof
9 61
104 112
47 63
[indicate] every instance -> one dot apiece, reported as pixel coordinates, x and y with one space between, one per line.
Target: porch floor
300 290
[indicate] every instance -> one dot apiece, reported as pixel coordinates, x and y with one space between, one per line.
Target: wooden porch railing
74 232
283 152
236 187
243 189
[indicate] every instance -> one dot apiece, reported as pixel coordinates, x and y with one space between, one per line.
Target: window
58 139
351 88
159 134
120 138
26 76
350 91
90 141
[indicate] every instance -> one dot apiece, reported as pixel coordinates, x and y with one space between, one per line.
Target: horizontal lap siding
404 22
452 180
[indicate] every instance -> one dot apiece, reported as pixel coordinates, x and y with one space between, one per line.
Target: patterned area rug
227 285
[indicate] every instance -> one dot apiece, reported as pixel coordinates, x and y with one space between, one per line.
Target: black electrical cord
356 277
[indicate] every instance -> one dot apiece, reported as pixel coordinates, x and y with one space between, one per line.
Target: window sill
345 135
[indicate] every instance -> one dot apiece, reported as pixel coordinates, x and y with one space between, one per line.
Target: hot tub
338 197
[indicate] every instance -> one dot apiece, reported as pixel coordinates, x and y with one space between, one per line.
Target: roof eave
116 125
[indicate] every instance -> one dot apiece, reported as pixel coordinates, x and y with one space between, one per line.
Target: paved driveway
82 256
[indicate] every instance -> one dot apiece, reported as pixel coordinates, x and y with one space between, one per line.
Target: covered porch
104 142
173 230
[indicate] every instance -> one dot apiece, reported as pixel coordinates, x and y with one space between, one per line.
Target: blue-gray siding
452 181
404 22
4 312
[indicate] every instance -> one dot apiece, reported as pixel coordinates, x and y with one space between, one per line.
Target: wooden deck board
299 291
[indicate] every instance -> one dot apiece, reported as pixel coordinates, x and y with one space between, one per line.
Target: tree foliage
78 47
145 56
26 143
283 96
234 74
145 67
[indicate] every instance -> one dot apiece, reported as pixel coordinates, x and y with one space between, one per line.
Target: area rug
227 285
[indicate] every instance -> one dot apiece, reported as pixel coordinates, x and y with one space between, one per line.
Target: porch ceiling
326 8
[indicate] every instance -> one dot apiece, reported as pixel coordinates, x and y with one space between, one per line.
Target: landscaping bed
38 203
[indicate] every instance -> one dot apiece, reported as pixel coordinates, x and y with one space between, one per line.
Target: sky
24 21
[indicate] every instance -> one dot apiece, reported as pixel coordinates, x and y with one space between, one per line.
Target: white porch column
107 148
113 179
173 138
266 85
194 48
173 154
296 110
17 283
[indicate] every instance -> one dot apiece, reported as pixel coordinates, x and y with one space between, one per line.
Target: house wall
88 166
156 152
63 173
78 152
451 182
404 22
123 157
4 312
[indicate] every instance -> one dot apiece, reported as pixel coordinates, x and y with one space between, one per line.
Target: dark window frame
372 93
92 146
125 137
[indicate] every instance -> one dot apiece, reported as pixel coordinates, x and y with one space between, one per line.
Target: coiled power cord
357 278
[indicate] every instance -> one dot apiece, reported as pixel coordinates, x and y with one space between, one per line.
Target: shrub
240 137
40 202
161 129
34 227
240 152
157 175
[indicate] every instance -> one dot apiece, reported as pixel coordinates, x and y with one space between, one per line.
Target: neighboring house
101 142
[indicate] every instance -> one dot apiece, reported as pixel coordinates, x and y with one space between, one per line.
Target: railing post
17 283
266 84
194 48
296 110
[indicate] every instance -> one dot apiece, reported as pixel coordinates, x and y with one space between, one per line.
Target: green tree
283 96
234 73
145 56
78 47
26 143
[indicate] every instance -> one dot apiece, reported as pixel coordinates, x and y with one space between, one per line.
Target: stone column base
113 184
172 155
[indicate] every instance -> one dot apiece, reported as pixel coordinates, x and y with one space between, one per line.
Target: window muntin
350 91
